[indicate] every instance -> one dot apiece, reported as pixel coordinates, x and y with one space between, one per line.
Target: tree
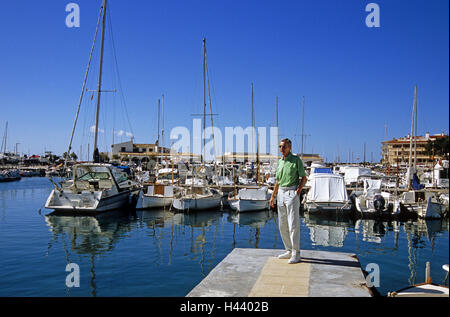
104 157
438 147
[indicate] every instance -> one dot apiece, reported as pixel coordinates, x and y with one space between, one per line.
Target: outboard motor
378 203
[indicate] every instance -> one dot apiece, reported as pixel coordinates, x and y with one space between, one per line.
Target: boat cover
372 187
353 172
327 188
253 193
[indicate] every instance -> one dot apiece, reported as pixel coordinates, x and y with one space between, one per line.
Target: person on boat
290 179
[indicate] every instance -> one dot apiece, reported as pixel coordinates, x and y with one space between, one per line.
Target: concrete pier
259 273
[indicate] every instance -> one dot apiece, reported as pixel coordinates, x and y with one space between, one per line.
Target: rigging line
210 107
84 85
113 86
117 71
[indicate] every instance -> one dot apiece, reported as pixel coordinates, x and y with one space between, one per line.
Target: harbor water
161 253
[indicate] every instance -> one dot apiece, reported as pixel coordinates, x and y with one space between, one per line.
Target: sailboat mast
159 116
204 97
277 123
5 137
96 156
253 123
303 122
162 122
411 138
415 127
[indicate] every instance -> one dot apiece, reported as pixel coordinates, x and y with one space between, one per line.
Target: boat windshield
91 173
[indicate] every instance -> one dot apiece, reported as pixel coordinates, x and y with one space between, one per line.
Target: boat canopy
327 188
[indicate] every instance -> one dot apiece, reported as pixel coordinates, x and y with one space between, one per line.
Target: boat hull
155 201
202 203
243 205
328 206
421 290
87 202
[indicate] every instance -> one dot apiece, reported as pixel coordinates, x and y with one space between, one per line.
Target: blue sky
355 79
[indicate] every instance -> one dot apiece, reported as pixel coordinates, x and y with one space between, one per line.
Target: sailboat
199 197
417 200
254 198
94 187
426 289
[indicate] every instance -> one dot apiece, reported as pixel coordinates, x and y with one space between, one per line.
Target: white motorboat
95 187
372 199
197 198
250 199
327 193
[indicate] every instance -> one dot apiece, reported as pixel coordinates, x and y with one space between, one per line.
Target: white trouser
288 205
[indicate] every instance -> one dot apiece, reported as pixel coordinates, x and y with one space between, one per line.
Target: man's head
285 146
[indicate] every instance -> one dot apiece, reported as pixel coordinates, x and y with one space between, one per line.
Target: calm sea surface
160 253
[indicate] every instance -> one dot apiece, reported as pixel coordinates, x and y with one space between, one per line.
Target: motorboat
250 199
94 187
372 199
327 193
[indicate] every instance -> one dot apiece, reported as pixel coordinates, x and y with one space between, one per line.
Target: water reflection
326 231
204 238
419 234
88 235
255 220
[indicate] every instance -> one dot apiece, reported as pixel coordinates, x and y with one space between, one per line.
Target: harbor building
144 152
397 150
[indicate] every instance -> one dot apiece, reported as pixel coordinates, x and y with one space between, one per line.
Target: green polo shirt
289 170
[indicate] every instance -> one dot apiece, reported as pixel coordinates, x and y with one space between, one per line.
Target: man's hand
271 202
299 190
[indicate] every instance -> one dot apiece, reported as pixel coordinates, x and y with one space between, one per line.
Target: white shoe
285 255
295 258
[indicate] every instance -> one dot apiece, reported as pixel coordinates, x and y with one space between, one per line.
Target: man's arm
302 184
274 194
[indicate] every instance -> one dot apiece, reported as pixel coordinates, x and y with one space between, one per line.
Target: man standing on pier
291 178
